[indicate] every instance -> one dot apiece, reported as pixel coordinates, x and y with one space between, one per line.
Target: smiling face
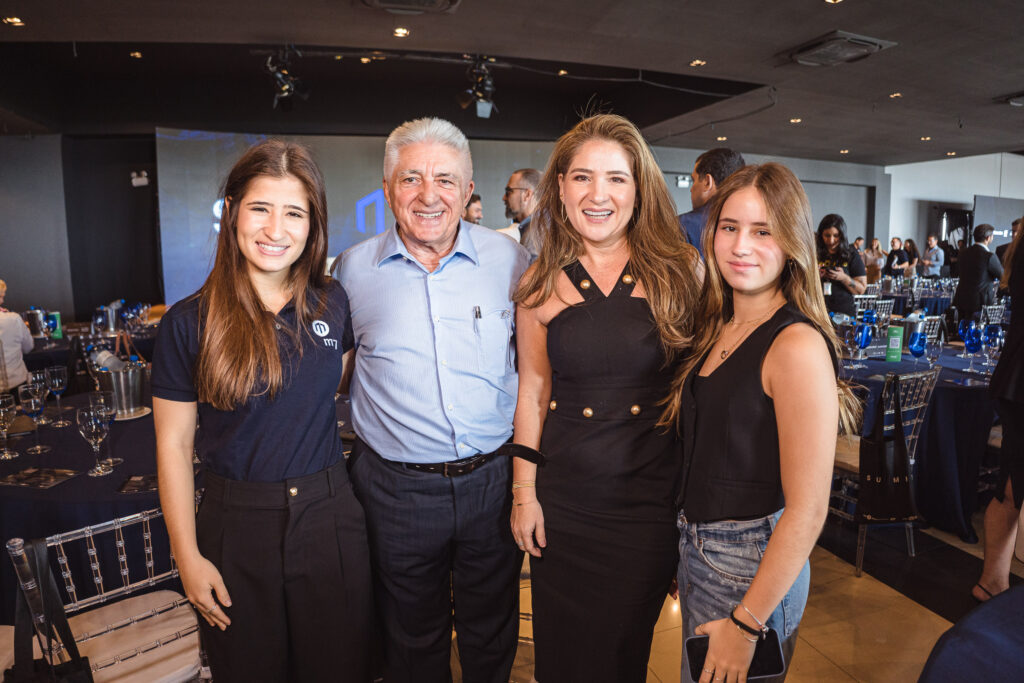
599 192
427 192
831 237
273 224
474 213
895 243
746 253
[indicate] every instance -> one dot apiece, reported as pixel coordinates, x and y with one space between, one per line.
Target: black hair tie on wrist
515 450
743 627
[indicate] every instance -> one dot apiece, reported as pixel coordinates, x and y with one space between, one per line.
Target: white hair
426 130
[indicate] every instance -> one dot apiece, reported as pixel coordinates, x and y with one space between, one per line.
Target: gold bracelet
523 484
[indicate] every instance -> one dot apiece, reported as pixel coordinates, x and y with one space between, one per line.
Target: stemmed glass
994 340
963 330
972 343
916 345
32 405
92 425
38 383
933 350
57 381
103 401
862 335
8 411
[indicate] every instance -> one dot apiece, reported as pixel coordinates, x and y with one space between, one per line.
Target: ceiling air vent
414 6
838 47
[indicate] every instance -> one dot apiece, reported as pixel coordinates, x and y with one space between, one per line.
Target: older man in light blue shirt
433 395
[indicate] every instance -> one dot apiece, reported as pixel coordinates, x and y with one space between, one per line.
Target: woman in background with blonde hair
758 404
874 260
603 315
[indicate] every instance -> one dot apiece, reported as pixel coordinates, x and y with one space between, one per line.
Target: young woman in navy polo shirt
276 561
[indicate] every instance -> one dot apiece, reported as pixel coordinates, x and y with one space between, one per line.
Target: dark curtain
113 232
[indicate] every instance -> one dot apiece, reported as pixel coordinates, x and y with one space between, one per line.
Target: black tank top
730 436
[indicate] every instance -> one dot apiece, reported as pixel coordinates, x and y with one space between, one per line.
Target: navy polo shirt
264 440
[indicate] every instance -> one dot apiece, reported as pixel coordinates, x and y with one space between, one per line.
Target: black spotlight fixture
480 91
286 86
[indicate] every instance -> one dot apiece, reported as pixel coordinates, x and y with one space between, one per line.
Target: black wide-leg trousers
295 561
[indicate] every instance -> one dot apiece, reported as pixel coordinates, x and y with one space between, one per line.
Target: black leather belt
454 468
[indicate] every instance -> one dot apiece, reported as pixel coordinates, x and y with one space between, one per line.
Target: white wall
948 183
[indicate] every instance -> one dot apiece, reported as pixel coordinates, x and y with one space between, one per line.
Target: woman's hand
835 274
528 526
729 652
205 589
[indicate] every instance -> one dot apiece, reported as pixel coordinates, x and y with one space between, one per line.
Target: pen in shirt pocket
476 319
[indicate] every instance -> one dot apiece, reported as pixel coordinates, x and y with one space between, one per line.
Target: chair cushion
848 454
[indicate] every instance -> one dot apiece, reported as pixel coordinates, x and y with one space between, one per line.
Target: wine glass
48 327
972 343
103 401
92 425
32 405
916 345
862 334
57 381
850 340
8 411
994 340
963 330
38 383
933 350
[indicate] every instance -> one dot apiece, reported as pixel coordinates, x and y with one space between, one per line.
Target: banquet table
932 305
47 352
82 500
952 441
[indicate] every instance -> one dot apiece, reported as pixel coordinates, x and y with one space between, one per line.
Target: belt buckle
444 470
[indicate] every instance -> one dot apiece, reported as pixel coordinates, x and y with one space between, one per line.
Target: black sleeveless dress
607 491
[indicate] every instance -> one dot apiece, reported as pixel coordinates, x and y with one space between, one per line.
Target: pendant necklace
726 352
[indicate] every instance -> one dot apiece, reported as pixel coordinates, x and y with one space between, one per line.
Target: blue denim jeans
717 562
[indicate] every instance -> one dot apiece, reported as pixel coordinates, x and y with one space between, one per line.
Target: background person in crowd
1007 389
276 562
610 295
932 258
979 268
758 403
433 396
15 341
858 246
896 261
1001 250
709 172
874 261
520 202
474 212
842 271
913 258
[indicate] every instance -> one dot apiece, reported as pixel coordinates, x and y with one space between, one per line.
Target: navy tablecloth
48 352
933 305
952 441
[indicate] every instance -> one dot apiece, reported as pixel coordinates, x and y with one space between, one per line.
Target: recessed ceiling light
721 138
135 55
13 21
698 62
795 120
337 58
401 32
365 60
844 151
894 95
563 72
926 138
833 2
950 154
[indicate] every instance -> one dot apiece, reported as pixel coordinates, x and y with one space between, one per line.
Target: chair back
915 394
873 289
884 308
993 314
864 302
932 327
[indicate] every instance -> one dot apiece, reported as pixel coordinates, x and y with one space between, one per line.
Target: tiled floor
854 629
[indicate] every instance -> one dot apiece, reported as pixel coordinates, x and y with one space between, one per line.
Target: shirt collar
392 246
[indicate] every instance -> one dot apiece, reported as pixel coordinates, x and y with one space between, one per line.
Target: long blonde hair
659 257
789 218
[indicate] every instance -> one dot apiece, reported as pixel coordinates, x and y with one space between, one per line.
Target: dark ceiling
68 70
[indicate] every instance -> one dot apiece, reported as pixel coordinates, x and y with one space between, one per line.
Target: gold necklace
726 352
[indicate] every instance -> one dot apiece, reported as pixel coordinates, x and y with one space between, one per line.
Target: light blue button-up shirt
434 375
936 256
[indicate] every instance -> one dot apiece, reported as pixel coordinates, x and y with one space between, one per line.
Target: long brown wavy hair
659 257
1011 251
789 219
238 349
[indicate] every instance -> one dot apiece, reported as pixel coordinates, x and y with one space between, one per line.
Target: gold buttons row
589 412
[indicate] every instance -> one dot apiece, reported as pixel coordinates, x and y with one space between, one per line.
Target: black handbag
886 493
55 624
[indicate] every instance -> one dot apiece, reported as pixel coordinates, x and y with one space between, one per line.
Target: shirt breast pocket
494 339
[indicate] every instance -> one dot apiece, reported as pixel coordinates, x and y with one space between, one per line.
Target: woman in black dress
1007 388
842 270
758 403
610 294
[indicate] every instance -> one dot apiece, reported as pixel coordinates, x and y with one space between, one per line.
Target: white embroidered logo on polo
321 328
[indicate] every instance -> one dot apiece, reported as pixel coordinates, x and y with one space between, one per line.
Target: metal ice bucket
127 387
36 319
